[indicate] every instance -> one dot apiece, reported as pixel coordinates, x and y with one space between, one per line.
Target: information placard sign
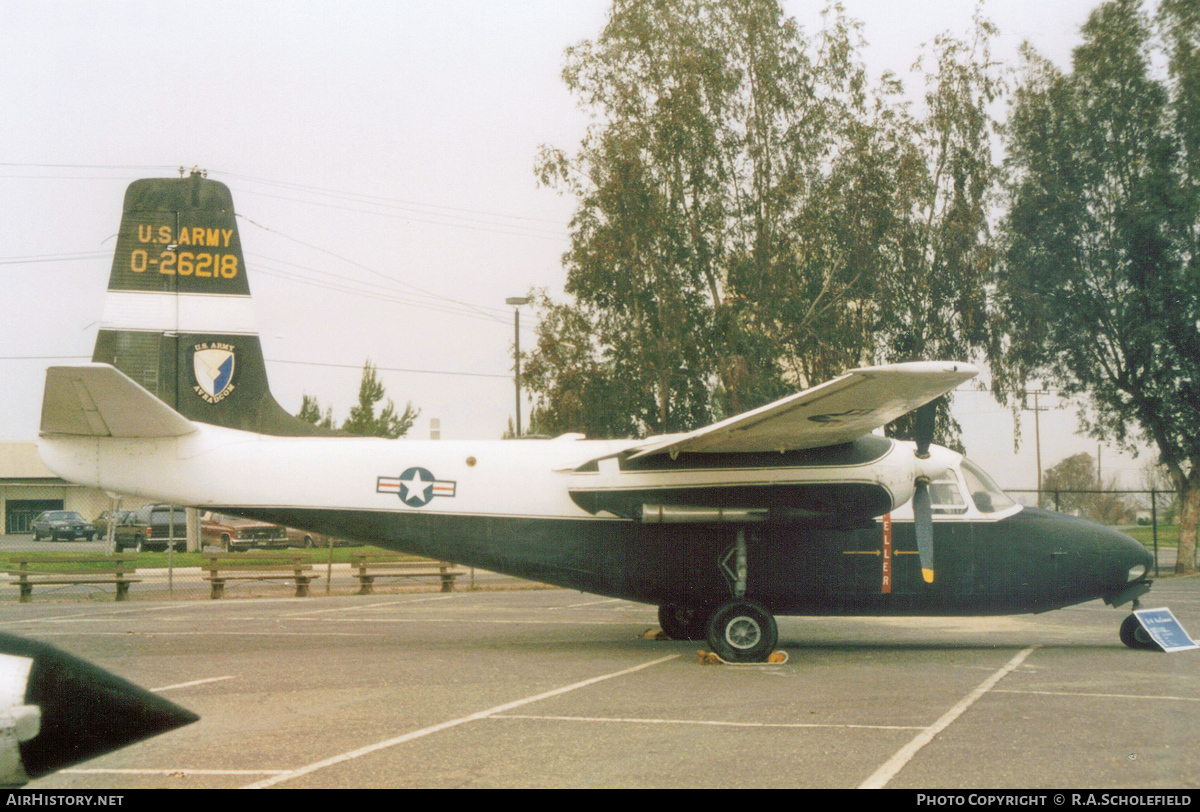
1165 630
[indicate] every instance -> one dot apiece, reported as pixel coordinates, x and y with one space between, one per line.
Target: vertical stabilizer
178 317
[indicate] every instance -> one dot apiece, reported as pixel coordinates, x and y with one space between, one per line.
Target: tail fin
177 316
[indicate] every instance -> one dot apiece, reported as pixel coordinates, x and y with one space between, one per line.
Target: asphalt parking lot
550 688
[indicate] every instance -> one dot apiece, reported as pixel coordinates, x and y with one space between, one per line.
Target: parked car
114 516
233 533
62 525
306 538
153 527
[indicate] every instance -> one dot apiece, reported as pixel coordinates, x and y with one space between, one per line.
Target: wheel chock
709 658
655 634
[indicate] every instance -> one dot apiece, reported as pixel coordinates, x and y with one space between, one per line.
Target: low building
27 487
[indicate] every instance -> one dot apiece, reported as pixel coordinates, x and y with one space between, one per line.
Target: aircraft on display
797 507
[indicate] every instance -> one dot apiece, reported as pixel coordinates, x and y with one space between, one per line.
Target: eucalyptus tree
1100 294
753 216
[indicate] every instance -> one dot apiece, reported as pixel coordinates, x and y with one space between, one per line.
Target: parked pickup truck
153 527
231 533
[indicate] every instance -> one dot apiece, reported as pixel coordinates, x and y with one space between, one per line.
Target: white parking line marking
133 771
190 684
55 619
207 634
698 722
1103 696
180 605
590 603
895 764
368 606
416 734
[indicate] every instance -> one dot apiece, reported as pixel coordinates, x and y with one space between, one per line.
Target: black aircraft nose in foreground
57 710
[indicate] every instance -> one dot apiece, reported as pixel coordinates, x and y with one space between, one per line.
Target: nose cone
1117 552
1116 559
1084 561
1137 552
71 710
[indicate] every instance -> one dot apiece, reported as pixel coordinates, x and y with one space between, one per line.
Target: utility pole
516 302
1037 437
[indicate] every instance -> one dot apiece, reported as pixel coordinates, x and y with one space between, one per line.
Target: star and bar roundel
416 487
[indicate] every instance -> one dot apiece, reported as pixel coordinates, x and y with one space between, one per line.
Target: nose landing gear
1133 635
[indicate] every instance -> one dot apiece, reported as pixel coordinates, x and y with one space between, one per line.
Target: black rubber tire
226 547
308 543
743 632
1135 637
680 623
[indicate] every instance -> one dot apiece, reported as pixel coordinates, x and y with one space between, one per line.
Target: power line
172 167
367 268
44 357
339 284
373 296
283 361
54 258
70 177
380 200
497 228
394 369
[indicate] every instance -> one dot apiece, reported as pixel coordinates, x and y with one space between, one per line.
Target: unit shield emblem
213 366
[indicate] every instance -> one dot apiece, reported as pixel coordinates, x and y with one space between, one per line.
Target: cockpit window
944 496
986 493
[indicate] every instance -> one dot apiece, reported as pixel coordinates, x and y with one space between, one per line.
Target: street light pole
515 302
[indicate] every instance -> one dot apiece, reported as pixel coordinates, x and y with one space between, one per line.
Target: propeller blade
923 522
925 419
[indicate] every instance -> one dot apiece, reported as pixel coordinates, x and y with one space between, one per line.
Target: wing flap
837 411
98 400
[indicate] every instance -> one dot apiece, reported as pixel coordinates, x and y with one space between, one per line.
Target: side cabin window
985 492
944 496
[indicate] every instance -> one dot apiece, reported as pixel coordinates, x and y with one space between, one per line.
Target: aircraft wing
834 412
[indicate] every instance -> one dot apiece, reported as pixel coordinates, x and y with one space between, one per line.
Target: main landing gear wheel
1134 636
743 632
681 623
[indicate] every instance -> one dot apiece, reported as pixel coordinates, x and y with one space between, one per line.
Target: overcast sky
385 151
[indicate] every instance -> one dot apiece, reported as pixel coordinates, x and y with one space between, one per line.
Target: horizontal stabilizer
98 400
837 411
